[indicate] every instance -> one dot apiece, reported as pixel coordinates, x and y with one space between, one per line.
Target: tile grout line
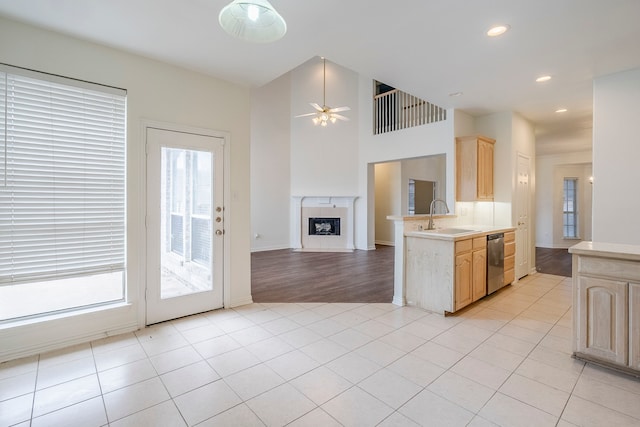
95 365
528 354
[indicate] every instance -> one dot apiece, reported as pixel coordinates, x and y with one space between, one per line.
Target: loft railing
395 110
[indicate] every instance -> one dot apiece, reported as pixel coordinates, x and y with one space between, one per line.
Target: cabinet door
479 287
474 168
463 291
602 319
485 170
634 326
510 274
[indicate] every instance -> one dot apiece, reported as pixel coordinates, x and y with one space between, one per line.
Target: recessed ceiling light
561 110
497 30
543 79
455 94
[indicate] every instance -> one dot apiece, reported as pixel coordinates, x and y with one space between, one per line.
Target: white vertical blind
62 182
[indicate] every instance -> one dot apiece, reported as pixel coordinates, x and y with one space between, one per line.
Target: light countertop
607 250
473 231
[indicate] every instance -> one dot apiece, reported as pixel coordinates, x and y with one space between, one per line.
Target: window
62 193
570 208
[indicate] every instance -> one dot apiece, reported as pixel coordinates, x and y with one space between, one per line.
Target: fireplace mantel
306 206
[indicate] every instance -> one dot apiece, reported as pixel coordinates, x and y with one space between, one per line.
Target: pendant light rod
324 81
324 114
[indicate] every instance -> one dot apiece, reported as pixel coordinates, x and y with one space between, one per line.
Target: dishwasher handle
495 236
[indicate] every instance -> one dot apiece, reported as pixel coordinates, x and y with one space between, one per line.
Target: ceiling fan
325 114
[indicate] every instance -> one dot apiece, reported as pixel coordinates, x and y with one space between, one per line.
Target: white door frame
226 283
523 270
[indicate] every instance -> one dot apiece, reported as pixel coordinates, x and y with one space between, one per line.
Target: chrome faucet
430 224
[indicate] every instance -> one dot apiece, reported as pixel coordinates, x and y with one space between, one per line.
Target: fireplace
324 226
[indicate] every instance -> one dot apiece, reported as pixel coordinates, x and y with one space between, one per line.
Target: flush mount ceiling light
561 110
542 79
252 21
325 114
498 30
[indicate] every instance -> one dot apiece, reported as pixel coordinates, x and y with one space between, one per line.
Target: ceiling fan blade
306 115
338 109
316 106
340 117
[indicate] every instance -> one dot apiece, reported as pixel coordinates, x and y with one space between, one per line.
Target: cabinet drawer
509 276
615 268
509 263
509 249
464 245
510 236
479 243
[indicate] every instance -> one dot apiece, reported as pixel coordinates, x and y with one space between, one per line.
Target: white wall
616 150
514 135
156 91
392 189
434 138
323 159
270 165
565 141
550 173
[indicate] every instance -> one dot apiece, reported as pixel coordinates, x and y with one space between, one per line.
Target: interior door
523 195
185 224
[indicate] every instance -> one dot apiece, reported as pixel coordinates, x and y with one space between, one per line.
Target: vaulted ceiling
429 48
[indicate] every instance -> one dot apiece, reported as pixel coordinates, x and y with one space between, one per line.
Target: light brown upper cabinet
474 168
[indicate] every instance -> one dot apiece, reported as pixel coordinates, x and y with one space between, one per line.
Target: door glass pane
185 222
201 208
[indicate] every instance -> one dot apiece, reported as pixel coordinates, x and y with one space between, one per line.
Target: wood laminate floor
360 276
289 276
553 261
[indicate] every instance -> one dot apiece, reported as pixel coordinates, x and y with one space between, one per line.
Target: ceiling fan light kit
325 114
254 21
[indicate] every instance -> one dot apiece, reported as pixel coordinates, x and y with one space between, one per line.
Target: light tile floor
505 361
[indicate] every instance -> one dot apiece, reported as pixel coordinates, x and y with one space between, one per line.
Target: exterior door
185 224
523 195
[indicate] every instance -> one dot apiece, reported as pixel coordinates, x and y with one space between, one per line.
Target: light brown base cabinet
509 257
445 274
606 306
470 272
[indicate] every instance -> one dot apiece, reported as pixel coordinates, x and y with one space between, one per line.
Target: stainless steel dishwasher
495 262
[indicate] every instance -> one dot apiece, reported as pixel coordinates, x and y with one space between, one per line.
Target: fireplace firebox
324 226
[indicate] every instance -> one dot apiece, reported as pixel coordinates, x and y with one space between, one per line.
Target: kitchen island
444 270
606 304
